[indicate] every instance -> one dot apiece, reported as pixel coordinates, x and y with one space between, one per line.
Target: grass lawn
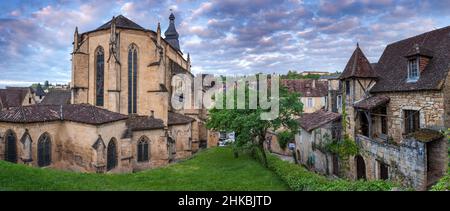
212 169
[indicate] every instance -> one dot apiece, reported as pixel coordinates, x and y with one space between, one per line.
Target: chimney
314 84
152 114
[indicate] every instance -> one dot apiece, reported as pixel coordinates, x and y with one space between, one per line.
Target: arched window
111 159
132 79
99 76
44 150
26 143
142 149
10 147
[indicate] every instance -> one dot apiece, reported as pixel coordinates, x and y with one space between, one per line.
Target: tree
249 127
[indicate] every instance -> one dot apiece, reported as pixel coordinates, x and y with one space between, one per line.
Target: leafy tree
249 127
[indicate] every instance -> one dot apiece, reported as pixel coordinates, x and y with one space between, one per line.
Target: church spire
75 39
158 35
172 34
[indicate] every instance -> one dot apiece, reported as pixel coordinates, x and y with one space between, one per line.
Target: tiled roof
179 119
139 123
13 97
317 119
372 102
57 97
82 113
306 87
393 66
358 66
121 22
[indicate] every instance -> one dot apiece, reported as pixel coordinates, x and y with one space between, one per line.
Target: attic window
413 69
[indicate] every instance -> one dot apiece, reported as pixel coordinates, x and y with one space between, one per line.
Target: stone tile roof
13 97
317 119
139 123
81 113
306 87
179 119
393 66
57 97
358 66
121 22
372 102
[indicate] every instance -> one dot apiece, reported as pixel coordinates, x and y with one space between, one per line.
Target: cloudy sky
222 36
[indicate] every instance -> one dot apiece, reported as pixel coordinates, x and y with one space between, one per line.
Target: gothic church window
142 150
111 159
44 150
26 143
100 76
132 79
11 147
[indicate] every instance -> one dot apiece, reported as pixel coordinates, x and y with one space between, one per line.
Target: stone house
316 130
313 92
16 96
334 98
396 108
120 117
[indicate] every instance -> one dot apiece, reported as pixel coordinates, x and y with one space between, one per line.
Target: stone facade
91 145
406 162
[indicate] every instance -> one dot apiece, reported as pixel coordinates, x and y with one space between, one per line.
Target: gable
392 67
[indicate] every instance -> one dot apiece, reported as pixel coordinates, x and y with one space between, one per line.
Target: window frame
99 66
410 124
143 149
412 78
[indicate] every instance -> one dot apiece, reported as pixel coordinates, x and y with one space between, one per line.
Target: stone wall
158 153
310 150
430 105
72 145
274 146
407 162
182 134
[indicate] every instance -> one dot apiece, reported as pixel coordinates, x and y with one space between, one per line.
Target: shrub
300 179
443 184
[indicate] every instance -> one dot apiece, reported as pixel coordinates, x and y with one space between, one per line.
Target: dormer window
413 69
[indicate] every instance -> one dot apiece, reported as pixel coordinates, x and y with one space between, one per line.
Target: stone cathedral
120 118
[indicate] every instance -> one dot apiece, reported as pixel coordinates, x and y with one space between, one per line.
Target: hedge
300 179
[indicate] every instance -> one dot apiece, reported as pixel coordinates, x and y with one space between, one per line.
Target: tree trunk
261 139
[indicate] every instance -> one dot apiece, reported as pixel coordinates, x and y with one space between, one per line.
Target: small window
413 70
29 100
142 150
347 87
384 171
412 121
339 101
310 103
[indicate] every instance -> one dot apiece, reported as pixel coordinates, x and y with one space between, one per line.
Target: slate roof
39 91
121 22
311 121
81 113
358 66
392 66
13 97
179 119
57 97
139 123
171 34
372 102
305 87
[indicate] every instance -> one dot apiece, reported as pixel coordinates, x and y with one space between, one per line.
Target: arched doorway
11 147
360 167
44 150
111 159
